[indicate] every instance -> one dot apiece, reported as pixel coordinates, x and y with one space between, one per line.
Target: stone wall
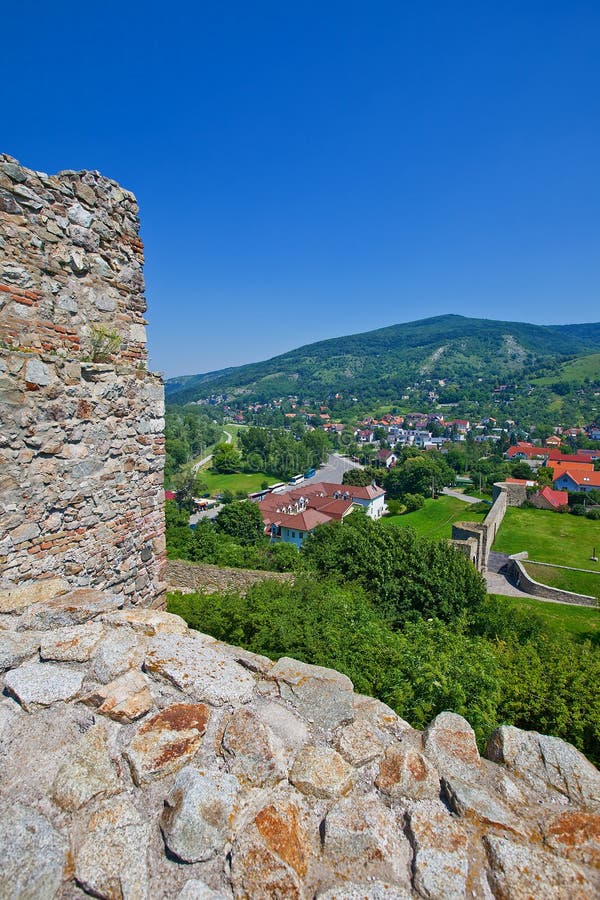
516 494
81 447
475 539
523 580
189 577
162 763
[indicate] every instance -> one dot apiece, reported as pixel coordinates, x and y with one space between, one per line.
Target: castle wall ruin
81 441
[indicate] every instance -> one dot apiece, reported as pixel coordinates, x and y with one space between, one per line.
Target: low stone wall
188 577
526 583
161 763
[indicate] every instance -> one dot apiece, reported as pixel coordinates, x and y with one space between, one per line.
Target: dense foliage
501 667
188 434
401 572
423 474
476 355
207 545
242 521
363 477
283 453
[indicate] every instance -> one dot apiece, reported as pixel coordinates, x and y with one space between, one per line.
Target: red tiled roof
360 493
587 479
337 509
561 465
527 449
304 521
555 498
556 456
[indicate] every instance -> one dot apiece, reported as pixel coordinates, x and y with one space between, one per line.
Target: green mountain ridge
381 364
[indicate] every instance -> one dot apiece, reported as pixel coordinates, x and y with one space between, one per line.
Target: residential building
548 498
386 458
291 516
580 482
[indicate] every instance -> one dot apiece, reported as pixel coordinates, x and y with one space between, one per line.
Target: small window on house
300 534
293 534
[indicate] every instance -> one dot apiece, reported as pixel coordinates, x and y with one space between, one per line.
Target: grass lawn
549 537
566 579
233 429
577 621
578 369
436 518
238 481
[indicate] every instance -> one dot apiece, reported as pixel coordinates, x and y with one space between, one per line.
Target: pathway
207 459
458 496
496 578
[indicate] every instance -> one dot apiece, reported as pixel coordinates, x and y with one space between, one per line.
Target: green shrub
104 343
413 502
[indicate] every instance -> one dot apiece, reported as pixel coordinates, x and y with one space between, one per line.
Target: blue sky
321 168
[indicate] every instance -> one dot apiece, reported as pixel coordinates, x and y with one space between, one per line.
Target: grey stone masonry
204 771
81 443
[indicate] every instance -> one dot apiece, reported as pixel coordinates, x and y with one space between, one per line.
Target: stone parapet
82 446
163 763
190 577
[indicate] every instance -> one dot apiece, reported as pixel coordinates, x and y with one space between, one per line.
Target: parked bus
296 479
278 488
257 496
309 473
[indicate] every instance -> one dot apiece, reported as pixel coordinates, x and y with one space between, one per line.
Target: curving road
207 459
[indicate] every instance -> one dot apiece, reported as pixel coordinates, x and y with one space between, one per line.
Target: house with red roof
525 450
581 456
386 458
548 498
578 481
291 516
568 465
553 441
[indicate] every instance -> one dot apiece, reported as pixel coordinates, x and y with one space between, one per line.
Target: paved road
458 496
332 471
207 459
206 514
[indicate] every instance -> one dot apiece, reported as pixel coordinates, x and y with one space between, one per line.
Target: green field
584 367
566 579
233 429
238 481
549 537
436 518
577 621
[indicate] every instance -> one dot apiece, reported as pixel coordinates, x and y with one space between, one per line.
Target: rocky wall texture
81 446
139 759
189 577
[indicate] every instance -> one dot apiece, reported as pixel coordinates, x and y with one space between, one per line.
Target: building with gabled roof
580 482
548 498
291 516
386 458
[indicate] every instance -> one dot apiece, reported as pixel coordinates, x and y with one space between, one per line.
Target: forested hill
381 364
